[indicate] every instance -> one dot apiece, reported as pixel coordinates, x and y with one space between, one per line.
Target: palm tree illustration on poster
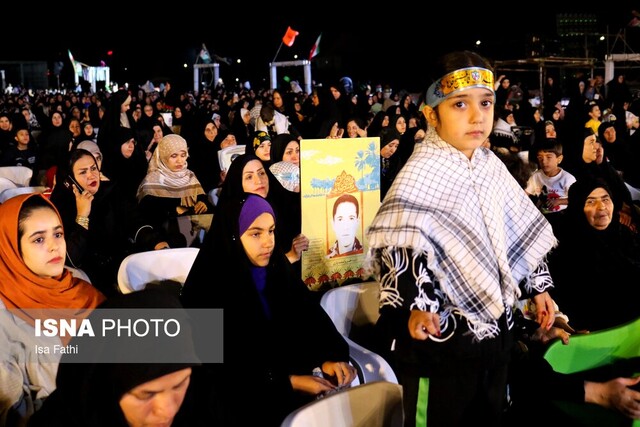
340 192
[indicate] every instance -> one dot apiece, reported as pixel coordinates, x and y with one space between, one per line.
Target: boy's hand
545 310
422 324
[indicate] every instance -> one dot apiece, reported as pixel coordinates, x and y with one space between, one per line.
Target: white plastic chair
356 306
376 404
194 228
139 269
352 306
6 184
635 192
369 365
16 191
79 273
20 175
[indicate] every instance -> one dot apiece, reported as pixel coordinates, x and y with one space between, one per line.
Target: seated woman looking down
275 333
170 189
32 276
123 393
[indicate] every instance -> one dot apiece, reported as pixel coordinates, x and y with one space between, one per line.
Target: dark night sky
366 44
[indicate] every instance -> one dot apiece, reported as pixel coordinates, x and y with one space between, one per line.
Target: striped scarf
480 232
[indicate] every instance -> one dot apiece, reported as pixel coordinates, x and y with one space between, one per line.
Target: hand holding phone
336 132
71 182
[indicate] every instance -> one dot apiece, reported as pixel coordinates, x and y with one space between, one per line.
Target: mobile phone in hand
71 182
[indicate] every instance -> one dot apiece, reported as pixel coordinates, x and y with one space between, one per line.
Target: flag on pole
316 48
77 67
289 37
73 62
204 54
635 21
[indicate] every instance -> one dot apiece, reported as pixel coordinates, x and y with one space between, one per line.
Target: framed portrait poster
340 192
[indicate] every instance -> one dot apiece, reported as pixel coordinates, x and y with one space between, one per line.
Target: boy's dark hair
267 112
550 145
346 198
456 60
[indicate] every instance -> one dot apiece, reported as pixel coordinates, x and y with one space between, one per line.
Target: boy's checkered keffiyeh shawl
478 229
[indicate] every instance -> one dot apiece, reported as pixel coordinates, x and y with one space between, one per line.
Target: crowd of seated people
135 174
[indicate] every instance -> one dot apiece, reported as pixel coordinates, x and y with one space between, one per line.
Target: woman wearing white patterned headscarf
170 189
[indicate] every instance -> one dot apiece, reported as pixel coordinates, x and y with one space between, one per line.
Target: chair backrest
354 310
376 404
194 228
20 175
142 268
635 192
79 273
352 306
370 366
12 192
6 184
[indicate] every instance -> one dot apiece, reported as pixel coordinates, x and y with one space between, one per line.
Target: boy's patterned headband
459 80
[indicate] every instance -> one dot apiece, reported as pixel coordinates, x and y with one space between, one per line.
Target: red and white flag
289 37
315 50
635 21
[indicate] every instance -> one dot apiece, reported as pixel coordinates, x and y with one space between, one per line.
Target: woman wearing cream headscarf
170 189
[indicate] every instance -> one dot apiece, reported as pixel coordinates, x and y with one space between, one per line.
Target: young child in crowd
549 184
455 244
